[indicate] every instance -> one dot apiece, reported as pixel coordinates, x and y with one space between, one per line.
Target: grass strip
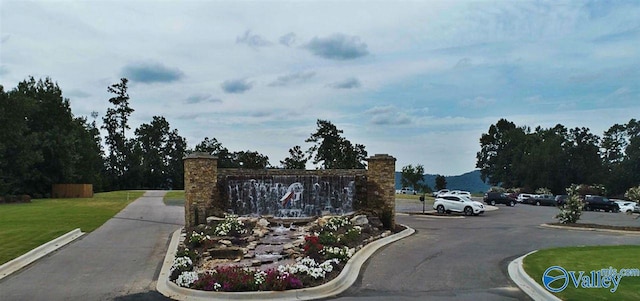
28 225
174 198
587 259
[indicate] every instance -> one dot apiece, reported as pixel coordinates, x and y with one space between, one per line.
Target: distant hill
469 181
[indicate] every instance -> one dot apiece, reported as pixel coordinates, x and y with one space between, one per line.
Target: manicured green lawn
174 198
26 226
588 259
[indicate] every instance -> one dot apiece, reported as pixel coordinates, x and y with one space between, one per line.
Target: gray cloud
236 86
293 78
198 98
149 72
252 40
288 39
349 83
338 47
388 115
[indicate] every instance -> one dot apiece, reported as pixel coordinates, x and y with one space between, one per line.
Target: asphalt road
118 261
467 258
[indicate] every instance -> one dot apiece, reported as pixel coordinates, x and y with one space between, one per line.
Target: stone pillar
381 188
200 187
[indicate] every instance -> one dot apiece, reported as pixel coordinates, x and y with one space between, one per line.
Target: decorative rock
225 242
255 263
359 220
263 223
212 219
323 220
252 245
287 246
260 232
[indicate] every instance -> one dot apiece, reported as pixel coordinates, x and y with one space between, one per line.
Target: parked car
493 198
439 192
406 190
542 199
625 206
594 202
455 203
561 199
460 192
523 197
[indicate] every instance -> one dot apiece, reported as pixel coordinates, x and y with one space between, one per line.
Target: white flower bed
310 267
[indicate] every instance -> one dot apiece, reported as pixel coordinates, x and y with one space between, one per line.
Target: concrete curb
37 253
590 229
345 279
526 283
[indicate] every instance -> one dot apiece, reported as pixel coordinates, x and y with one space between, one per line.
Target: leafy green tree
226 159
153 139
633 193
296 159
501 150
333 151
115 122
161 152
583 154
631 163
90 164
176 150
412 176
215 148
250 160
42 143
18 148
441 182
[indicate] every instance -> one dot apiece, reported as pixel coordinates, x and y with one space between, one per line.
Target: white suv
406 190
455 203
523 197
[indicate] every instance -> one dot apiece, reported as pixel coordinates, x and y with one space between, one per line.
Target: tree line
43 143
517 157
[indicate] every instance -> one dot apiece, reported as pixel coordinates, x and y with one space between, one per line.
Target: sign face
291 196
556 278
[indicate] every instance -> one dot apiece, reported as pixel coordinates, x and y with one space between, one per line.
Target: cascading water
291 196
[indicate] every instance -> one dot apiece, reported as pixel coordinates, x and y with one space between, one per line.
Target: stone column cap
381 157
199 155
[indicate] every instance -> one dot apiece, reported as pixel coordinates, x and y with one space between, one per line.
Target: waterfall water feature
290 196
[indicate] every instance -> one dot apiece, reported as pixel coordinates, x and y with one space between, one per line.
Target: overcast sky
420 80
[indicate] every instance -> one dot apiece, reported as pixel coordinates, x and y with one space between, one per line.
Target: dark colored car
594 202
493 198
543 199
561 199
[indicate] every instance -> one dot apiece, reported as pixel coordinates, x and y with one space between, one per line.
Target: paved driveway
466 259
118 261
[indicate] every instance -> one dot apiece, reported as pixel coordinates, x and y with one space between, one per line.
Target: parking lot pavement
467 259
